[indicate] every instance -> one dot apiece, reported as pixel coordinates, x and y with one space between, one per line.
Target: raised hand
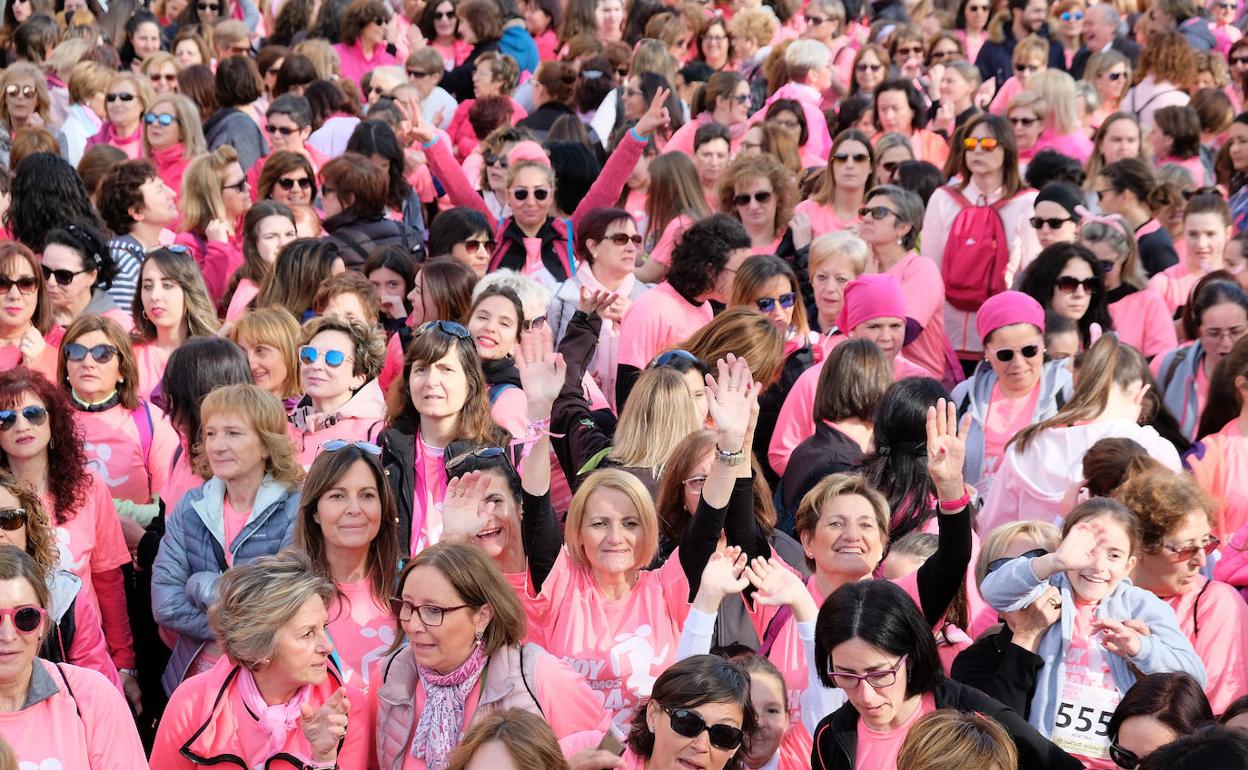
656 116
775 586
946 449
217 230
415 129
596 302
461 510
732 399
1078 549
1030 623
722 575
802 230
324 727
542 371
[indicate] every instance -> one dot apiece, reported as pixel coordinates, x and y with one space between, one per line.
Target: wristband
633 133
731 459
129 672
431 142
956 505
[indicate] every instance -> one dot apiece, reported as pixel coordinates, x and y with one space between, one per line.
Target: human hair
795 108
188 119
1058 91
397 259
87 79
852 383
373 137
659 398
91 245
12 256
267 417
297 71
1040 281
292 106
744 168
881 54
359 14
30 140
278 165
360 186
503 68
454 226
557 79
949 738
1182 125
756 24
920 178
909 210
10 24
827 489
1168 57
1004 134
238 81
746 333
1172 698
754 273
16 564
1212 747
192 34
255 268
1213 109
46 193
803 56
255 600
881 614
383 550
276 328
825 193
484 18
487 114
196 368
719 85
693 682
476 579
674 191
97 161
627 484
529 740
670 502
198 314
450 283
1161 499
709 132
368 345
1105 506
297 272
228 32
127 368
1224 402
200 84
1132 175
1216 288
1110 461
593 227
201 200
993 546
1123 244
41 539
70 482
918 109
702 254
34 37
529 297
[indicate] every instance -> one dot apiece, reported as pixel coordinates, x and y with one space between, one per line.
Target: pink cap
871 296
1006 308
528 151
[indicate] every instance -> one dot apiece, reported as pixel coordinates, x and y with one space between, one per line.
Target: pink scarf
276 722
442 720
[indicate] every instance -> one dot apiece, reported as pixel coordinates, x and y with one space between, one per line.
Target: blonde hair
745 332
189 124
994 545
277 328
267 417
201 200
41 542
811 508
1030 48
1058 90
321 53
66 55
948 738
142 89
529 741
87 79
628 485
837 245
43 102
658 415
1030 100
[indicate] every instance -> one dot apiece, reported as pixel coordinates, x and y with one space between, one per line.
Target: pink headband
1112 221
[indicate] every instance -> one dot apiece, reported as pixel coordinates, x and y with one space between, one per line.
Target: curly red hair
68 477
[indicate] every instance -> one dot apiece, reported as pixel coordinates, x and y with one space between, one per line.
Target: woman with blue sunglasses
339 361
172 136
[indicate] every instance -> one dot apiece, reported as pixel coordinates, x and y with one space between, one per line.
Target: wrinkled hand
461 509
985 92
722 574
415 38
32 346
217 230
1029 624
731 401
542 370
802 230
1117 637
616 310
414 127
656 116
324 727
946 449
596 302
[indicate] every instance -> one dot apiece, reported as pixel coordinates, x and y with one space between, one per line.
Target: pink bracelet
956 505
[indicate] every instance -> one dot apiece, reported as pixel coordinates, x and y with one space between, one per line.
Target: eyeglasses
869 67
1053 223
877 679
471 247
1117 75
167 77
419 74
875 212
333 358
690 724
1233 333
33 414
785 123
240 50
534 323
165 119
62 277
1189 194
238 186
1025 122
481 453
762 196
334 445
1227 6
12 519
1107 266
814 21
1020 68
1067 284
376 90
997 564
431 615
846 157
101 354
768 304
380 21
976 9
26 619
289 184
1125 759
623 239
903 53
25 285
123 96
1072 16
26 91
715 39
741 98
1006 355
987 143
1209 545
890 166
942 55
452 328
674 357
495 160
283 130
694 484
522 193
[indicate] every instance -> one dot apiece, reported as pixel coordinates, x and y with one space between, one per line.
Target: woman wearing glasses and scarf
1012 387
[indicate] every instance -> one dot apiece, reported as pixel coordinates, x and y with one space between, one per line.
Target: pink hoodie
360 419
819 141
1220 464
1232 568
1143 322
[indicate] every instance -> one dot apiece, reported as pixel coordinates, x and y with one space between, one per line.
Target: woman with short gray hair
275 694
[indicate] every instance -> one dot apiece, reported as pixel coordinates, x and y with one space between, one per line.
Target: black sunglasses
491 159
1125 759
845 157
997 564
25 285
62 277
1067 284
539 193
875 212
762 196
283 130
690 724
1189 194
238 186
1054 223
289 184
1006 355
623 239
12 519
101 353
125 97
471 246
33 414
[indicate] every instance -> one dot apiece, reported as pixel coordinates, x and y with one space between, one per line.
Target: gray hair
255 600
841 243
804 56
1112 17
534 297
909 209
889 141
294 107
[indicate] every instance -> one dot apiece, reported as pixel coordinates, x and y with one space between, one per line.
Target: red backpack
976 252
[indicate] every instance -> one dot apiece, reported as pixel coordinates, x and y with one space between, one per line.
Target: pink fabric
90 729
461 130
871 296
1143 322
1221 469
355 64
132 145
924 293
1224 36
1222 618
428 496
682 140
217 261
1006 417
669 238
114 451
1006 308
171 164
1005 94
1174 284
1075 145
234 521
819 142
454 54
437 729
57 333
360 419
620 646
274 721
658 319
547 45
511 411
1232 568
182 478
89 648
1193 167
362 629
878 750
823 219
244 294
393 366
151 360
1087 664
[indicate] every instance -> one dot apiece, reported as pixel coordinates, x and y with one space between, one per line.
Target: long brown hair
40 538
71 482
674 190
1011 180
670 506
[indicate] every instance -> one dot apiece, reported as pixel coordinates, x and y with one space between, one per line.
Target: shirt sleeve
112 739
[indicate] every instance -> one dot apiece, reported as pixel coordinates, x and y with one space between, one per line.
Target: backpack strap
1179 355
772 631
529 653
571 256
69 690
146 428
958 196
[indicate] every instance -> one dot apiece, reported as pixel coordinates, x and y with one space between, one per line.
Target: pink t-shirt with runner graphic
91 541
362 630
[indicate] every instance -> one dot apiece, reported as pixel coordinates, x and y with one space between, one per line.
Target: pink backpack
976 252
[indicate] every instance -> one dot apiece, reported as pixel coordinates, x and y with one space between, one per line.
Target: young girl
1092 655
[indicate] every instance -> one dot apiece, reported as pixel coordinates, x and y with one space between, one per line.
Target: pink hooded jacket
1215 618
360 419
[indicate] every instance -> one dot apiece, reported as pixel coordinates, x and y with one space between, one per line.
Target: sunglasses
335 444
101 354
690 724
381 22
1239 61
814 21
875 212
890 166
869 67
165 77
987 143
26 91
942 55
123 96
443 14
481 453
62 277
522 193
452 328
419 74
214 7
674 357
238 186
1072 16
762 196
471 247
1187 552
1024 122
1125 759
1067 284
289 184
35 415
25 285
1006 355
27 619
1189 194
1026 68
1121 75
495 160
977 8
333 358
997 564
534 323
283 130
768 304
1053 223
845 157
1107 266
907 52
12 519
165 120
623 239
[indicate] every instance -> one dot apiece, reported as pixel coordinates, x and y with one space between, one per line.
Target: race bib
1081 725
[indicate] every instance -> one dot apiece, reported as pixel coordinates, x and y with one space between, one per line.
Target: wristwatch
730 459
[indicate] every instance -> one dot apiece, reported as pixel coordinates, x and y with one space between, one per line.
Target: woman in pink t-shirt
276 696
760 193
172 306
270 336
55 714
1140 317
675 201
1219 461
835 203
835 260
267 227
1207 229
88 532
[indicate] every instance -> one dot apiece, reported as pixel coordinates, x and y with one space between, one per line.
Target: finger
951 419
932 430
965 426
306 711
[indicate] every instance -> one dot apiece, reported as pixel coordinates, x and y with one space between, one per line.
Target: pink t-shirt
1221 469
878 750
657 320
1173 285
620 646
234 522
182 478
1006 417
115 451
924 292
428 496
511 411
823 219
1089 682
362 630
671 235
92 730
91 541
353 64
151 360
1221 616
1142 320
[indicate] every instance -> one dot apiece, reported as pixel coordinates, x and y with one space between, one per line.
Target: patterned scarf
442 719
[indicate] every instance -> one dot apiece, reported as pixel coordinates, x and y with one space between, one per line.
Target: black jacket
1123 45
1001 669
827 451
541 119
458 82
836 737
996 60
358 238
398 462
771 400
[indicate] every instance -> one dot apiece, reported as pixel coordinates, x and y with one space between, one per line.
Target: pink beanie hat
871 296
1006 308
528 151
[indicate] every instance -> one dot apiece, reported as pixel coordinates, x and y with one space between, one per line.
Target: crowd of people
624 384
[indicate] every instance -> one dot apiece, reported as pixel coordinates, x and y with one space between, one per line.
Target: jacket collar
42 685
401 679
210 504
